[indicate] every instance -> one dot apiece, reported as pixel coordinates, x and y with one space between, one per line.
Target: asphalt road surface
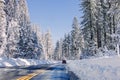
38 72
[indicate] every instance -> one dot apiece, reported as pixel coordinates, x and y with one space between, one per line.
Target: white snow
2 0
107 68
11 62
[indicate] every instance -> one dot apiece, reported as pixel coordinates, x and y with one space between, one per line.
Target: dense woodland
19 37
97 35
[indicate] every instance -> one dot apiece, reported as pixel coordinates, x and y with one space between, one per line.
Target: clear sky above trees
56 15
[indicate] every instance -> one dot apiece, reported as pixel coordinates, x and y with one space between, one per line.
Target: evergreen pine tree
48 45
12 28
89 26
75 39
3 25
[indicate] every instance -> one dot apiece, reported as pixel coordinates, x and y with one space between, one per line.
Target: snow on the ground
96 69
5 62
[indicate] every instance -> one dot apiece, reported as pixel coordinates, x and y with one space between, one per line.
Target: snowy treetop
2 1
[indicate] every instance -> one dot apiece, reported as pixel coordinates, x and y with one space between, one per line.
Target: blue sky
56 15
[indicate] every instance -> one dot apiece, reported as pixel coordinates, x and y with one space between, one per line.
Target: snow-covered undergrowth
5 62
96 69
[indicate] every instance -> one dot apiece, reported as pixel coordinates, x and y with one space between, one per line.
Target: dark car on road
64 62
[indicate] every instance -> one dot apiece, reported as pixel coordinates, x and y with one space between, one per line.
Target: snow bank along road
104 68
39 72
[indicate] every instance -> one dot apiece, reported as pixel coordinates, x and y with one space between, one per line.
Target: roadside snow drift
96 69
5 62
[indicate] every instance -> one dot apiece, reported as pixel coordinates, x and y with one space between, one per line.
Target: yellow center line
29 76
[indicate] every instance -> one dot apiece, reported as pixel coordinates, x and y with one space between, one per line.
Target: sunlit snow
96 69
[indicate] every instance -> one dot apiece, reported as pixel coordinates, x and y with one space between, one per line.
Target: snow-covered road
37 72
54 72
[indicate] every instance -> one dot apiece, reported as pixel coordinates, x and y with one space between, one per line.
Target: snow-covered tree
75 40
89 28
12 38
35 47
17 37
12 28
24 22
43 43
58 50
114 12
27 44
66 47
37 33
100 18
3 24
48 45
